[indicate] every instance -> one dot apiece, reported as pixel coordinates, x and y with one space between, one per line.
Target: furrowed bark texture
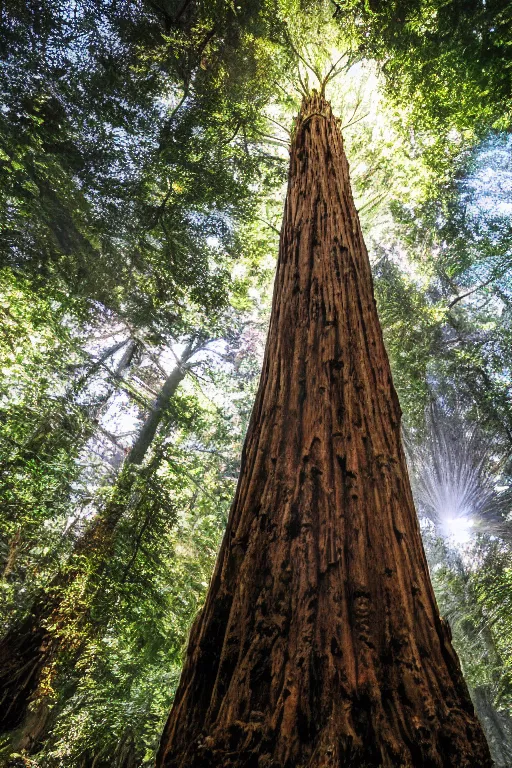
320 643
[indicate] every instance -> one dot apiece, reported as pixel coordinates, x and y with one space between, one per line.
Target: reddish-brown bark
320 644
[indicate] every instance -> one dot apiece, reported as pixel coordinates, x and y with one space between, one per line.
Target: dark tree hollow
320 644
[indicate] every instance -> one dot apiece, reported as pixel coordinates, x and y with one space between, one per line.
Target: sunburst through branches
456 479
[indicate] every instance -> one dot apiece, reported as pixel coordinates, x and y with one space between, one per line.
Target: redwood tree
320 643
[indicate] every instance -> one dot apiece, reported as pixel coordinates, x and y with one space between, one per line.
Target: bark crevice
320 643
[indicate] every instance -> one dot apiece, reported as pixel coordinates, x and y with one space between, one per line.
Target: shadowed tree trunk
320 644
496 724
149 428
29 646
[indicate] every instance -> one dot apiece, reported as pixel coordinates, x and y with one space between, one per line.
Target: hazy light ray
454 483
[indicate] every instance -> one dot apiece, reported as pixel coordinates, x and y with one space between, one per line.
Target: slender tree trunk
29 647
320 644
497 726
149 428
29 450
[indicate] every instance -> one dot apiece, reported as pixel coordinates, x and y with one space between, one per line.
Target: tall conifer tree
320 643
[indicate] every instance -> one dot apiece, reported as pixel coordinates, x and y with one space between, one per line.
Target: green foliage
41 424
152 589
412 331
142 166
446 61
492 586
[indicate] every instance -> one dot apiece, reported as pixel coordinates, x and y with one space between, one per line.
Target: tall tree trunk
149 428
320 644
29 450
29 646
496 725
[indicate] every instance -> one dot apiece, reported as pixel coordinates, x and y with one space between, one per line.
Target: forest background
143 164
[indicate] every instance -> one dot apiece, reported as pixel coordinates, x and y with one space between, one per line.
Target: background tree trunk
149 428
29 646
497 726
320 643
